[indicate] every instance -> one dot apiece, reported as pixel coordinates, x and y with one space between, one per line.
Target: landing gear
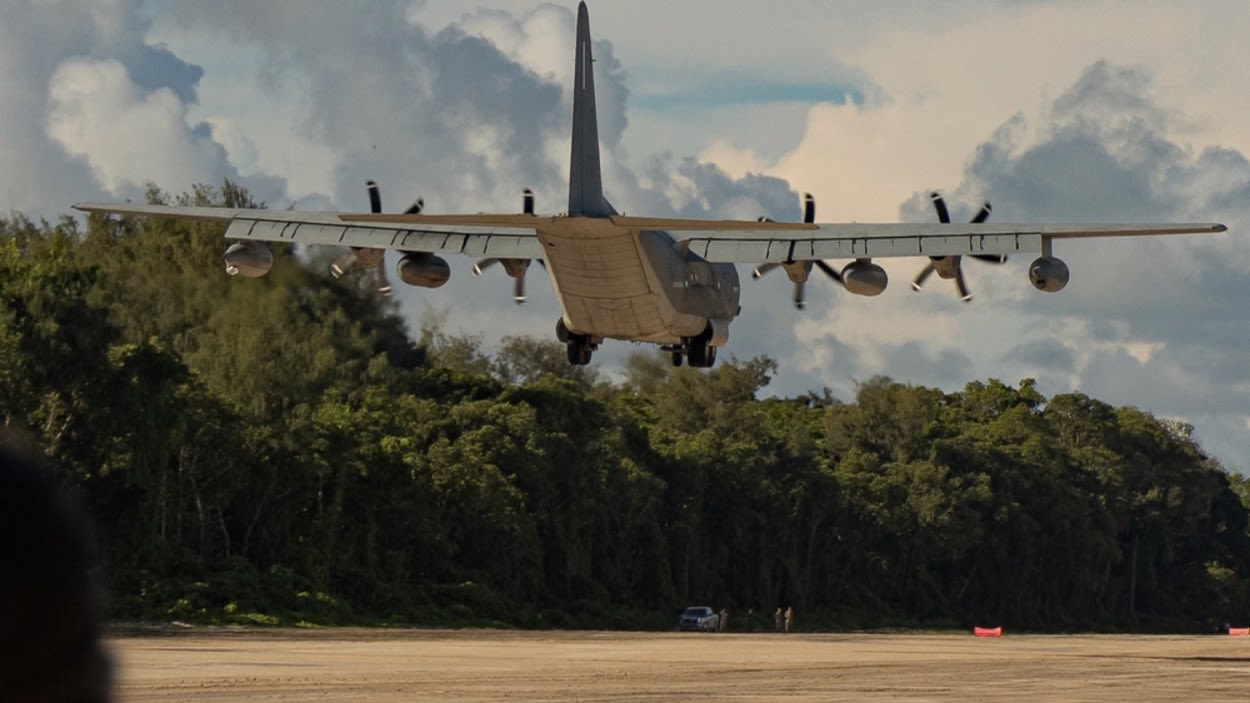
701 355
580 346
580 349
677 358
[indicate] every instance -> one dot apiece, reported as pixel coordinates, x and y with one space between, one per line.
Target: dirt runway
421 665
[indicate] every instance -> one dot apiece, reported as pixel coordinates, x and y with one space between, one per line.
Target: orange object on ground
1239 631
987 632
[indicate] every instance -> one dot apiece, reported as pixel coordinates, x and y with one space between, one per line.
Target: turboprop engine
248 259
863 277
1048 274
423 270
860 277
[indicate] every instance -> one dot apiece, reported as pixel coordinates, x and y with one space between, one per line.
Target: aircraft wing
757 243
480 236
731 241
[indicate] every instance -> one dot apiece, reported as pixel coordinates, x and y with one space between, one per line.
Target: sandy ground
420 665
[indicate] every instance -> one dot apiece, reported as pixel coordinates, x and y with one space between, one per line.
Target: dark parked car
698 618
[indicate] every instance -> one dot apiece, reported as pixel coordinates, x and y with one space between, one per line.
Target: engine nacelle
248 259
423 270
864 278
1048 274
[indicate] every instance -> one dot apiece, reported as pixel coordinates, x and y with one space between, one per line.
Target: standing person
723 623
50 644
789 618
778 618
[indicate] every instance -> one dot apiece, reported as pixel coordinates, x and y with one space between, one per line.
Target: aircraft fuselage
617 283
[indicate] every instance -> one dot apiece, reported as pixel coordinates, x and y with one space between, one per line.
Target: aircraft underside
637 286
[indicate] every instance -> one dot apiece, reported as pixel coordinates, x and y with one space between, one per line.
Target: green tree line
284 450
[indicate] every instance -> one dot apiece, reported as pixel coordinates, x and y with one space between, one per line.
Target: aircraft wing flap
491 236
803 246
853 241
502 242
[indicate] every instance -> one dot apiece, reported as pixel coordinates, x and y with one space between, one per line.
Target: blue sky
1057 111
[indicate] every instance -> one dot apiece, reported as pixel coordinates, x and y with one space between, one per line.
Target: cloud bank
1050 111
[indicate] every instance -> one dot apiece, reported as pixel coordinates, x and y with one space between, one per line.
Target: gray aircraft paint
585 184
615 283
629 277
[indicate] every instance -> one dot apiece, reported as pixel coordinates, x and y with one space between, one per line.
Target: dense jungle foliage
280 450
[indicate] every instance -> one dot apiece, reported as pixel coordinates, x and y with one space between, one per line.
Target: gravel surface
201 664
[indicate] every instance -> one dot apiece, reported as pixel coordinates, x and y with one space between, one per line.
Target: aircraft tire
579 351
697 352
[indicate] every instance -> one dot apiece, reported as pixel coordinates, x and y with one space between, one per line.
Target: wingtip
92 207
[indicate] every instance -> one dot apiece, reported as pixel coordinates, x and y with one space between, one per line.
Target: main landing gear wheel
580 349
701 355
677 358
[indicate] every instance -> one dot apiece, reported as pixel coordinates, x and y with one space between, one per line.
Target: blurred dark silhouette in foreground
50 648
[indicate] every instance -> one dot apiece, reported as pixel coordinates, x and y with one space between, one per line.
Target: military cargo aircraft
661 280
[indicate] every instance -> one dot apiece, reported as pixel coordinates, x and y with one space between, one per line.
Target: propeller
515 268
952 266
799 270
375 200
368 256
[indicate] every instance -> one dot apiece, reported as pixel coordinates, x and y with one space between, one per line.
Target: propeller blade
518 289
809 208
961 286
763 269
375 197
800 298
527 201
944 215
340 265
830 271
927 271
380 279
482 265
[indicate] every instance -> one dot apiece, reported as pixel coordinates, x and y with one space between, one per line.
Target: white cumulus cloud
96 112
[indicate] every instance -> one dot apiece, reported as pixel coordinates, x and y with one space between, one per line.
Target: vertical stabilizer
585 182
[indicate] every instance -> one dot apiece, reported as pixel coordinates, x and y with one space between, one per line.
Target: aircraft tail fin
585 179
